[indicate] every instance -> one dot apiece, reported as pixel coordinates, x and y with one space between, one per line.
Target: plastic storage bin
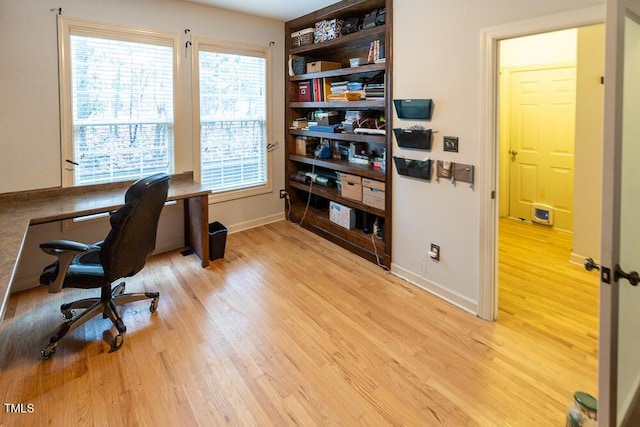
217 240
420 169
413 138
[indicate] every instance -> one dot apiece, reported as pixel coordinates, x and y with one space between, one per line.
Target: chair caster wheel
117 342
68 314
48 351
154 305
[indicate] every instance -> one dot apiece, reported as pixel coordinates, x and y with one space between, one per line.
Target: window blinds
122 107
232 91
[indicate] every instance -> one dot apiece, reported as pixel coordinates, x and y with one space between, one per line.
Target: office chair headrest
138 187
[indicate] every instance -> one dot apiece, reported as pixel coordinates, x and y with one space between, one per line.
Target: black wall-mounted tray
417 109
413 138
420 169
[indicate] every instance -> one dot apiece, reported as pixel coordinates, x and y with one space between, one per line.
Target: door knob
513 152
590 264
633 277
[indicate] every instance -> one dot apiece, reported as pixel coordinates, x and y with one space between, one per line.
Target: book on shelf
345 96
376 52
329 89
374 91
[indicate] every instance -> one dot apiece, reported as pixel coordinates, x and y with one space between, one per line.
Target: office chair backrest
134 226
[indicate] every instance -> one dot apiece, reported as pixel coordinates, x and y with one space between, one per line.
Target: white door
541 139
619 352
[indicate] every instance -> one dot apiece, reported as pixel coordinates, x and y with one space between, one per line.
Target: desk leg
196 226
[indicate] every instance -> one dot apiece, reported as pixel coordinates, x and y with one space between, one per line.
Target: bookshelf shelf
317 220
363 69
341 136
359 39
341 166
331 193
351 105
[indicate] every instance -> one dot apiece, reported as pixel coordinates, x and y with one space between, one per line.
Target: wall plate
451 143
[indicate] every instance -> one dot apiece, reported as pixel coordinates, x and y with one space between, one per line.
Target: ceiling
283 10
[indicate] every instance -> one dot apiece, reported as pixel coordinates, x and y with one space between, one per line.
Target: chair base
107 304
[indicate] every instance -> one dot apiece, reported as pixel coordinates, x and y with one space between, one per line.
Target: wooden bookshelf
341 49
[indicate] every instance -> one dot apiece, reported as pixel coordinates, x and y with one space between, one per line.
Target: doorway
546 103
549 140
491 195
550 109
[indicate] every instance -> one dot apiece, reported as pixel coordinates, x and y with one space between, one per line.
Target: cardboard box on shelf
373 193
351 186
316 66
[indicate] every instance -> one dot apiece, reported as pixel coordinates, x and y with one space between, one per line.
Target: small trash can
217 240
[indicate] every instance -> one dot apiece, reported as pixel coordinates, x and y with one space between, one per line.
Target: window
231 127
118 84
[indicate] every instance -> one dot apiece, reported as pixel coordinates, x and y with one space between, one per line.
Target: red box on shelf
304 92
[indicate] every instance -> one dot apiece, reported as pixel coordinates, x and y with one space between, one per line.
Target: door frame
489 134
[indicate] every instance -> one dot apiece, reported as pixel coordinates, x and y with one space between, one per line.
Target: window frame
223 46
68 26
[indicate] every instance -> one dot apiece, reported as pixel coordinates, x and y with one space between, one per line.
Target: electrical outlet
434 252
283 194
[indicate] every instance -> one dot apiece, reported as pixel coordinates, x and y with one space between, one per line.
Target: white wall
437 54
547 48
29 113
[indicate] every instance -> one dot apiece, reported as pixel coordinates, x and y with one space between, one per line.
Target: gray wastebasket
217 240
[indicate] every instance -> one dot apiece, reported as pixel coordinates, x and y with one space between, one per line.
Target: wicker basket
302 37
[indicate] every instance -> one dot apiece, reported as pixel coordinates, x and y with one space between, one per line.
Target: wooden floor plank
290 329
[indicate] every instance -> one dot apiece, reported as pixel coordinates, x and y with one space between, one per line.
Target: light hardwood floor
290 329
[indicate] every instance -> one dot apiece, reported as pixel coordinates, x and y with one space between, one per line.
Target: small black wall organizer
420 169
416 109
413 138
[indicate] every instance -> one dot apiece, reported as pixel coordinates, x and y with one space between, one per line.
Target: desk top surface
20 209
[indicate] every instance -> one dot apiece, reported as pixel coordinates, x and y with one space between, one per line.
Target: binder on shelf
305 91
420 169
417 109
413 138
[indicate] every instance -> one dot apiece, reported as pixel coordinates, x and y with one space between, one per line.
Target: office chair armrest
65 251
55 247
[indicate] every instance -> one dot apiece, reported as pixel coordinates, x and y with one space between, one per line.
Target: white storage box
342 215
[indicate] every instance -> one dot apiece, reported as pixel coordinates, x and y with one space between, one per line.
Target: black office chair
122 253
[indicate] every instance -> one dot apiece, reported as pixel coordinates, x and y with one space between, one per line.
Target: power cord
313 172
287 201
375 250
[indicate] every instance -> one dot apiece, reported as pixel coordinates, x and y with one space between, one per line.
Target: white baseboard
241 226
437 290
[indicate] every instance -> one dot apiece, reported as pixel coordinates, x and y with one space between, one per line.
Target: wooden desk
19 210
